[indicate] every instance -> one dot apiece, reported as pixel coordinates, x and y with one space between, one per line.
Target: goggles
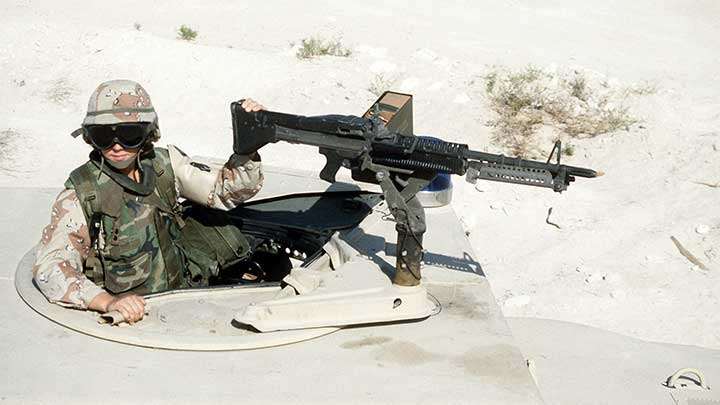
129 136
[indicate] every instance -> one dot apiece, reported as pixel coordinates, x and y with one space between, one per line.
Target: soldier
118 230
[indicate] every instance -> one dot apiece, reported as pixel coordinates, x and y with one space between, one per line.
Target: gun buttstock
250 133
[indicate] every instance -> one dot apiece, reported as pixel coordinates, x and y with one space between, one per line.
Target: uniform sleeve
64 246
214 185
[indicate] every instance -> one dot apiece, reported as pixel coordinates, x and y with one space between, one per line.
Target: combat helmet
118 102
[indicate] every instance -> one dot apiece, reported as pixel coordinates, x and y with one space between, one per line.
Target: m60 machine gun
380 148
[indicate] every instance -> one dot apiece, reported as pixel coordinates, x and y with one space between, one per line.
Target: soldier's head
120 122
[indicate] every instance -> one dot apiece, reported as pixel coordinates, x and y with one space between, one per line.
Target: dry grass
61 92
8 139
312 47
380 83
574 103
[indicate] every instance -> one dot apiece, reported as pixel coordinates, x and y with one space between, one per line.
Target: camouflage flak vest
135 234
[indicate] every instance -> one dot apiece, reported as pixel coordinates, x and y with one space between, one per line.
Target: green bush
186 33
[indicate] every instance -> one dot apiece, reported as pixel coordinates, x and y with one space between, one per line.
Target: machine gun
380 148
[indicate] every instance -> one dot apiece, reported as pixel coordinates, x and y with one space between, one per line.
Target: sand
611 264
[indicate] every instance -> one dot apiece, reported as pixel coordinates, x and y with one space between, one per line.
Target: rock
496 206
483 186
437 86
375 52
594 278
653 259
618 294
696 268
461 98
702 229
517 301
426 54
383 66
584 269
409 84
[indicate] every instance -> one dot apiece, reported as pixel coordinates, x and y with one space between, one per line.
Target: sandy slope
612 265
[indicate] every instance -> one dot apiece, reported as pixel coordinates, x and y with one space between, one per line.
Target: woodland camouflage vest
135 226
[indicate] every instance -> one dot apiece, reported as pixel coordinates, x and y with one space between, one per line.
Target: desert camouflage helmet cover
119 101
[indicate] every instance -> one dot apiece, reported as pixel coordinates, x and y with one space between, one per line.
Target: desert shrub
186 33
643 88
380 83
8 138
312 47
5 138
60 92
575 103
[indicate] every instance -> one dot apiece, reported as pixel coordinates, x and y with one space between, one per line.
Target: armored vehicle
341 312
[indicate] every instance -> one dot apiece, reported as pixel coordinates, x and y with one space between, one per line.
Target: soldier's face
117 153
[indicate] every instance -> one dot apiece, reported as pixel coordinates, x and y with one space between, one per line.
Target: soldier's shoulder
80 173
66 199
161 157
172 155
162 154
172 149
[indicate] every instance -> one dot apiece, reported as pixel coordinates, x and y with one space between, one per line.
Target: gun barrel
530 164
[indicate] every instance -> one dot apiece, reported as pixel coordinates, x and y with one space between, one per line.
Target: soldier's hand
131 306
251 105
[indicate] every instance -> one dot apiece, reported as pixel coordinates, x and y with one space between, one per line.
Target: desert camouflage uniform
65 243
138 236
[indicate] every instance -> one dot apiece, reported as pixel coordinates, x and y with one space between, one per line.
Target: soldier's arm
64 246
214 185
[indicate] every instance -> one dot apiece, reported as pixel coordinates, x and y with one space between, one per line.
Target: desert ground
610 261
